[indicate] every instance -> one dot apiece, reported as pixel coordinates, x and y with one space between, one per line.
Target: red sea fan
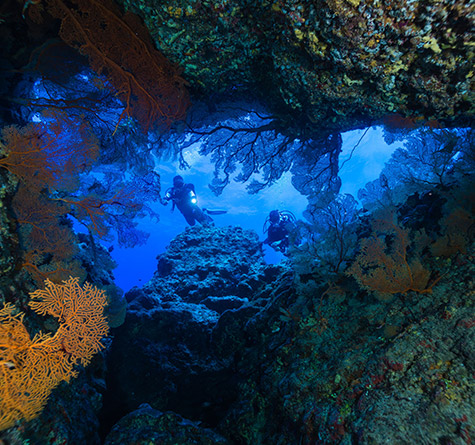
48 154
119 47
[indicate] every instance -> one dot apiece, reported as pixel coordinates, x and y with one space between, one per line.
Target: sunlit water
137 265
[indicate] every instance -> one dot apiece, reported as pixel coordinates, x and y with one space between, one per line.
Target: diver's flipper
215 211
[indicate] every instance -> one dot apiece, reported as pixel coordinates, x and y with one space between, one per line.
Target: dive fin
215 211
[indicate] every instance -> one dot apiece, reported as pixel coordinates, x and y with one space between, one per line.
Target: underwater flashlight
193 197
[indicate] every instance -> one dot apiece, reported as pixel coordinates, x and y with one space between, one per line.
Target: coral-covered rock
147 425
180 361
336 64
297 359
8 237
208 262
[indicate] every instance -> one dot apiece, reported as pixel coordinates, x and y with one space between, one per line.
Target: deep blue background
137 265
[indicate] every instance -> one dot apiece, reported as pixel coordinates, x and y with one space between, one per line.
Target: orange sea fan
387 270
31 368
119 47
47 154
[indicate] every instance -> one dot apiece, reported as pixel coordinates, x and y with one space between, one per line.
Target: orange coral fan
95 209
119 47
31 368
48 244
388 270
45 155
40 215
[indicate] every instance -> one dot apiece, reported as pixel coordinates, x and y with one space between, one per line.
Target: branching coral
52 161
119 47
388 270
329 236
46 155
31 368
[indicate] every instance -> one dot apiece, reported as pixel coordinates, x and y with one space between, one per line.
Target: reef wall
336 64
260 354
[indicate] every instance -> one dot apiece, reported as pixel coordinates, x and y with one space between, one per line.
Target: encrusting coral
31 368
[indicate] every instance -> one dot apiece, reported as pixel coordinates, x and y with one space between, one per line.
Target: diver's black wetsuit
184 198
277 232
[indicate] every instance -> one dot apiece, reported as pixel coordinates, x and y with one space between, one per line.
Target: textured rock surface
337 64
8 241
295 360
209 262
149 426
170 330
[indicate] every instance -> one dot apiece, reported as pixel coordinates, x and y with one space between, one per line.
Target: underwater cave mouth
362 333
364 154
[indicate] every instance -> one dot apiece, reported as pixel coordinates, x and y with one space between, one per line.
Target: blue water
137 265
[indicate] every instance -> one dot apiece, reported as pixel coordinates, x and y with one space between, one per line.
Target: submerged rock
331 65
181 361
296 360
208 262
147 425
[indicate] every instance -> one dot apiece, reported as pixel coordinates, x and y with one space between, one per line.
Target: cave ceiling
333 64
330 65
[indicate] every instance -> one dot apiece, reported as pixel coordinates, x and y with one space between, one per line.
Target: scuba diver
278 225
184 198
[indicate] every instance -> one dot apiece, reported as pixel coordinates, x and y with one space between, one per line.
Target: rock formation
332 64
261 354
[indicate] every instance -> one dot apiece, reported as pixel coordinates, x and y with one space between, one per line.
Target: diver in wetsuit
183 197
277 226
